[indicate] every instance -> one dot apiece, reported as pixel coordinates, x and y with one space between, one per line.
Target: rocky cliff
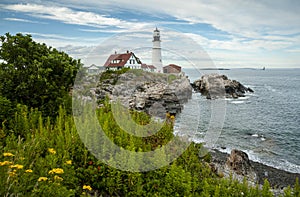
218 86
153 93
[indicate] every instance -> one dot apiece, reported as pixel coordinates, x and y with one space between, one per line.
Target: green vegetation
52 160
112 75
42 154
35 75
171 78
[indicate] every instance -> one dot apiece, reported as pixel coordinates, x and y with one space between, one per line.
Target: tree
34 74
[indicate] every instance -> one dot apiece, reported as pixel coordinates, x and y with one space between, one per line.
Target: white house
93 69
125 60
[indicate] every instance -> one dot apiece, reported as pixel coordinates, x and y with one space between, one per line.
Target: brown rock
239 162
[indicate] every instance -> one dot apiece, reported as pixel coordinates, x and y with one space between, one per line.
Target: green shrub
39 157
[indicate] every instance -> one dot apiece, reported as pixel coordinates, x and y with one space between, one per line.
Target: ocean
264 124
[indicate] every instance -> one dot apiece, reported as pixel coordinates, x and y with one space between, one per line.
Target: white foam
243 98
278 164
270 88
228 99
255 135
237 102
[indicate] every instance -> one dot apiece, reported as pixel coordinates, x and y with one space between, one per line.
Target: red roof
148 66
123 58
174 66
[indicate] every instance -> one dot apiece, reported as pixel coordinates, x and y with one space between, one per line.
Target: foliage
171 77
112 75
6 108
51 160
34 74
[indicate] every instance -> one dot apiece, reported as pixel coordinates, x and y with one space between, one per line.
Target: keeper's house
125 60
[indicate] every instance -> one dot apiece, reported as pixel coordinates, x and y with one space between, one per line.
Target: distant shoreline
214 69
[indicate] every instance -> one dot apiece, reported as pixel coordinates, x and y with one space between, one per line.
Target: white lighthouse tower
156 51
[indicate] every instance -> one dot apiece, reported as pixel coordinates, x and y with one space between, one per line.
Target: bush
35 75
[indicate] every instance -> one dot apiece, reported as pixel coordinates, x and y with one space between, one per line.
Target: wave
270 88
237 102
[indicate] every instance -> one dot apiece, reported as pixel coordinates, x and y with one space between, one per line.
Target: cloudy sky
236 33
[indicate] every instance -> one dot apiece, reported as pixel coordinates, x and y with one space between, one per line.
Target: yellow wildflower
12 173
168 115
52 151
8 155
87 187
43 178
18 166
29 171
57 178
69 162
56 171
4 163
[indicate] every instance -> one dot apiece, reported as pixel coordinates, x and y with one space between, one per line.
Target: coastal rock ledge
153 93
219 86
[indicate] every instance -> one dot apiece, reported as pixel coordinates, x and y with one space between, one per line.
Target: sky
231 34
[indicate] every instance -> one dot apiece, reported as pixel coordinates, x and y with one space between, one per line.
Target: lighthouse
156 51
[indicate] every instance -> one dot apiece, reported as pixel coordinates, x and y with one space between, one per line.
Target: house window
133 61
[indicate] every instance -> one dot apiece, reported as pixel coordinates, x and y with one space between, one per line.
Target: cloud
241 32
70 16
244 18
247 18
23 20
101 30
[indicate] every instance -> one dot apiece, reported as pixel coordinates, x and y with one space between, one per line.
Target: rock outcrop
150 92
239 162
219 86
258 172
237 165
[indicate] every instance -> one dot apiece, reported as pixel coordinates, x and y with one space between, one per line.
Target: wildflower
87 187
8 155
168 115
42 179
29 171
12 173
4 163
56 171
69 162
57 178
52 151
172 117
18 166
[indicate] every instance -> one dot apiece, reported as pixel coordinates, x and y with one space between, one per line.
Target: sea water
264 124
